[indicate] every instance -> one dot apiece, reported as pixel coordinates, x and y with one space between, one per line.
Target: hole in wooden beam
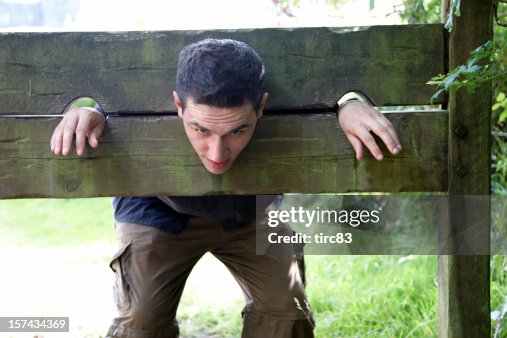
84 101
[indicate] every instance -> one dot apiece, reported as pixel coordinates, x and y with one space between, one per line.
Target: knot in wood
72 185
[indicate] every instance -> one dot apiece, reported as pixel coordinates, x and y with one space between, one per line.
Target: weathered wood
464 290
135 71
152 156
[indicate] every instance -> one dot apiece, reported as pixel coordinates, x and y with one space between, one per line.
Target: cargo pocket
120 264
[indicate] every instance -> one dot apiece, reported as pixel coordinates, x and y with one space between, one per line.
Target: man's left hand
358 120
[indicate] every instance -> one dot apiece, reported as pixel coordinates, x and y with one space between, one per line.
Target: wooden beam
40 73
464 290
152 156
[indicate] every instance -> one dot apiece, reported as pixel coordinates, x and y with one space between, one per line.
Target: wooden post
464 289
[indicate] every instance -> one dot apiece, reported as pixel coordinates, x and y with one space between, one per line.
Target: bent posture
219 98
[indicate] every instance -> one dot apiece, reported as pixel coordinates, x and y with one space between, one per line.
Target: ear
262 104
178 104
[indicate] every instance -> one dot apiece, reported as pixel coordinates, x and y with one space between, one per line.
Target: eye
201 130
237 132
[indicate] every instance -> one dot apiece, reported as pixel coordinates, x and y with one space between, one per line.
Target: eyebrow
243 126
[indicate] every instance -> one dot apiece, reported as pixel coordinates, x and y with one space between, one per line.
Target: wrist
354 96
88 104
96 111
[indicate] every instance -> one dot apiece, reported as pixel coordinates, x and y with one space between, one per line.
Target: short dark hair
220 72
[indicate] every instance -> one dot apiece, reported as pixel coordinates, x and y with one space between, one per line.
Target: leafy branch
472 74
453 10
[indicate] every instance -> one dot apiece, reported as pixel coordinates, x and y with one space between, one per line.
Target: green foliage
83 102
373 296
498 299
197 321
417 11
421 11
472 74
285 5
500 106
453 11
55 222
499 113
499 175
337 3
371 5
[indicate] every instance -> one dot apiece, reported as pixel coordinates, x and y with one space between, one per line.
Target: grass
351 296
55 222
373 296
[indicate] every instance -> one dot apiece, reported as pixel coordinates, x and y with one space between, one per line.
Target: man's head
219 97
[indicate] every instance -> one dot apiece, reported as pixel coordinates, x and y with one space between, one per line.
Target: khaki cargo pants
152 266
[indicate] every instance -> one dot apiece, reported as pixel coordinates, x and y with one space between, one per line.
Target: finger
93 141
68 134
367 138
93 138
56 139
52 141
94 135
382 129
81 132
83 128
392 132
357 145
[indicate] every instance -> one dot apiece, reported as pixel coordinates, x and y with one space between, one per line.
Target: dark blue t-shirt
172 213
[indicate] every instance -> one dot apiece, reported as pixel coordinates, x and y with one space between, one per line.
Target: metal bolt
460 131
461 171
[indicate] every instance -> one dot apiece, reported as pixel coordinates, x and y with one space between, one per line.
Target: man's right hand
85 123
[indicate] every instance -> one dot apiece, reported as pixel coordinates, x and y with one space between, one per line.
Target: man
219 98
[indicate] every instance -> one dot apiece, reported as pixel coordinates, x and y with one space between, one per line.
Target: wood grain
40 73
152 156
464 281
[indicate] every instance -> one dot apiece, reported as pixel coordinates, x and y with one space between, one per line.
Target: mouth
217 165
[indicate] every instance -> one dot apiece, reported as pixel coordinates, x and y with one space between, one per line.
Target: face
218 135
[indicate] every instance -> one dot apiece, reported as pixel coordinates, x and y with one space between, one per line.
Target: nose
218 150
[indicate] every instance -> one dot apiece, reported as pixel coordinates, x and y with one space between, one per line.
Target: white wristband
354 96
95 111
